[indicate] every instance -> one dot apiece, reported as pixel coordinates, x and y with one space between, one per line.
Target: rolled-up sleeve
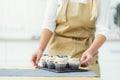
50 16
102 24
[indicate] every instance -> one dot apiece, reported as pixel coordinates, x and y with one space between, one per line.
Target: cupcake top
51 58
67 58
44 57
74 60
61 59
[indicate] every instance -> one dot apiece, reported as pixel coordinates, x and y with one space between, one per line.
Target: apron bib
74 32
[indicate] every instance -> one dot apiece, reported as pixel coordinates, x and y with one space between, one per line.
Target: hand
86 59
36 58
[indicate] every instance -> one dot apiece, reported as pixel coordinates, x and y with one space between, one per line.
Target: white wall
21 18
114 29
109 58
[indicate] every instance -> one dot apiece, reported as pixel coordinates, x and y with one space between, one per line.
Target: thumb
38 59
82 58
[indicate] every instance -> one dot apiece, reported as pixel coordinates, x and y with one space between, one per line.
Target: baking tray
65 71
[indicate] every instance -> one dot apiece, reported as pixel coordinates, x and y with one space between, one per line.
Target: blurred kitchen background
20 22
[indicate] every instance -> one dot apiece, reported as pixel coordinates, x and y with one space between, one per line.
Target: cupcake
44 60
67 59
60 63
50 62
74 63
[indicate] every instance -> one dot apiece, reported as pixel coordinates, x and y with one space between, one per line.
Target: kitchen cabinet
2 55
17 52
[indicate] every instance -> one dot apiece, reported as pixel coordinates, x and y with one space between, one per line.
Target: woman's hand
36 58
88 55
86 59
45 37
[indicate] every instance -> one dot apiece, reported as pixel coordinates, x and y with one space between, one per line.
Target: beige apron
74 32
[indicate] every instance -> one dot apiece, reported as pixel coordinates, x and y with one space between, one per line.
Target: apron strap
64 11
94 8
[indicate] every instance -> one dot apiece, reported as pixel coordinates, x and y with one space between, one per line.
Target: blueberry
65 56
45 55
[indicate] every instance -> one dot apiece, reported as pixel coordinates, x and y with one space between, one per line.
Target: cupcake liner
50 65
60 67
73 66
67 65
44 64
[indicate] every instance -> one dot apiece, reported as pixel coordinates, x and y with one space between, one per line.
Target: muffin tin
61 64
67 70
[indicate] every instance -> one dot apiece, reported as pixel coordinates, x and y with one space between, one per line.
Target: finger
36 66
83 58
33 60
38 59
85 61
83 65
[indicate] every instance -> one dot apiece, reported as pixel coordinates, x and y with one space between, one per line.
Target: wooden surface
48 78
42 78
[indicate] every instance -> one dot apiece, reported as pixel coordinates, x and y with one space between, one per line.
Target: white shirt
54 6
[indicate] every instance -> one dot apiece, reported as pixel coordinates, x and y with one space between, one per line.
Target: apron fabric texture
74 32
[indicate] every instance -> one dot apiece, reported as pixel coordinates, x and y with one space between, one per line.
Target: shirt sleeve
102 24
50 16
